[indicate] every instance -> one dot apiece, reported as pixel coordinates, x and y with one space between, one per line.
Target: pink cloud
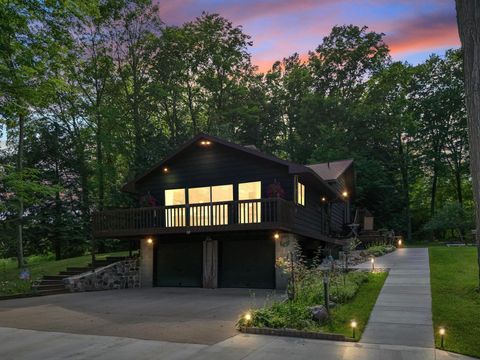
425 33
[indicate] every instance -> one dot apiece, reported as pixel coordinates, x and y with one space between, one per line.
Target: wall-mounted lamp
205 142
276 236
345 194
149 241
324 199
165 170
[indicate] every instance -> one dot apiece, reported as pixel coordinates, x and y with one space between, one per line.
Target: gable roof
331 170
293 168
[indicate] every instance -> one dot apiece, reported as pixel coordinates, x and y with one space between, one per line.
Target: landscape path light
372 260
248 317
353 324
442 336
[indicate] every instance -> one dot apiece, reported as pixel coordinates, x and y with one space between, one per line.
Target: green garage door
247 264
179 264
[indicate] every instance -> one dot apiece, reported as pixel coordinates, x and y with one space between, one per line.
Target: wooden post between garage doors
210 263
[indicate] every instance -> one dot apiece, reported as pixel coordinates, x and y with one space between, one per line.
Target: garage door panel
179 264
247 264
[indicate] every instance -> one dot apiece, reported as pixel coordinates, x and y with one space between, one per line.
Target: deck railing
197 217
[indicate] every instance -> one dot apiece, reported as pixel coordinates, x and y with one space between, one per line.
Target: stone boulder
319 313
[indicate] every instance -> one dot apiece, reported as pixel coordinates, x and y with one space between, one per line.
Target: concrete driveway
185 315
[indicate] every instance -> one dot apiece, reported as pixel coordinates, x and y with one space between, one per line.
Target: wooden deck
262 214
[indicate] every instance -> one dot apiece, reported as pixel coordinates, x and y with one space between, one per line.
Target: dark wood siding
215 165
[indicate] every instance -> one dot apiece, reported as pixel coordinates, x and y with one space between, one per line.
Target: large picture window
175 207
220 195
206 205
199 200
249 211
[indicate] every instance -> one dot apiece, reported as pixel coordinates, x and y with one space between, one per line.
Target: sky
413 29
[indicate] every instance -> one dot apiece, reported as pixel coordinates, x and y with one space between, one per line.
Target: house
223 214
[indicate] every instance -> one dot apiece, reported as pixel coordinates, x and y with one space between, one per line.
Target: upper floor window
175 215
300 193
249 212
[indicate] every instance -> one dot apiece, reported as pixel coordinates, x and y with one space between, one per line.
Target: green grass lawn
358 309
455 299
38 266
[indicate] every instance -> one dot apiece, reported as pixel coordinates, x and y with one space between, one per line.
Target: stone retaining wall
120 275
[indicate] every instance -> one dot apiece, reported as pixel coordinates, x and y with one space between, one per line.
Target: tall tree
468 17
30 44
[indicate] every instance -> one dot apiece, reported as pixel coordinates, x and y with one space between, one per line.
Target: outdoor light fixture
442 336
353 324
205 142
372 260
165 170
324 199
399 242
276 236
149 241
248 317
345 194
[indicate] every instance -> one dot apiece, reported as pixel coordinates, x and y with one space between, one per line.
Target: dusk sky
413 29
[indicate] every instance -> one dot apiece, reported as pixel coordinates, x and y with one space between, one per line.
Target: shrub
295 313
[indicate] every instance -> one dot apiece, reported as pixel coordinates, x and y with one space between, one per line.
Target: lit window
249 211
220 195
199 213
300 194
208 205
175 207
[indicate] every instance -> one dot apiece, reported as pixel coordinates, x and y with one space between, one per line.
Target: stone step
70 273
50 282
54 277
82 269
53 292
43 287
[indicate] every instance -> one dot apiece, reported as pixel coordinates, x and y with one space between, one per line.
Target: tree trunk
406 187
468 17
433 191
458 183
21 124
100 171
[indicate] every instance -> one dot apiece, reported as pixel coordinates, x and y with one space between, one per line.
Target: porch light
205 142
353 324
442 336
345 194
324 199
165 170
149 241
276 236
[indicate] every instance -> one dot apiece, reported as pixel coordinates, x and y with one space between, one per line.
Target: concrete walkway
403 312
16 344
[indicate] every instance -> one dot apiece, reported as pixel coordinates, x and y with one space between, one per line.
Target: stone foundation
119 275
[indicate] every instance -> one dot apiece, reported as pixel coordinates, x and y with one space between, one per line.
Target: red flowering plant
275 190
